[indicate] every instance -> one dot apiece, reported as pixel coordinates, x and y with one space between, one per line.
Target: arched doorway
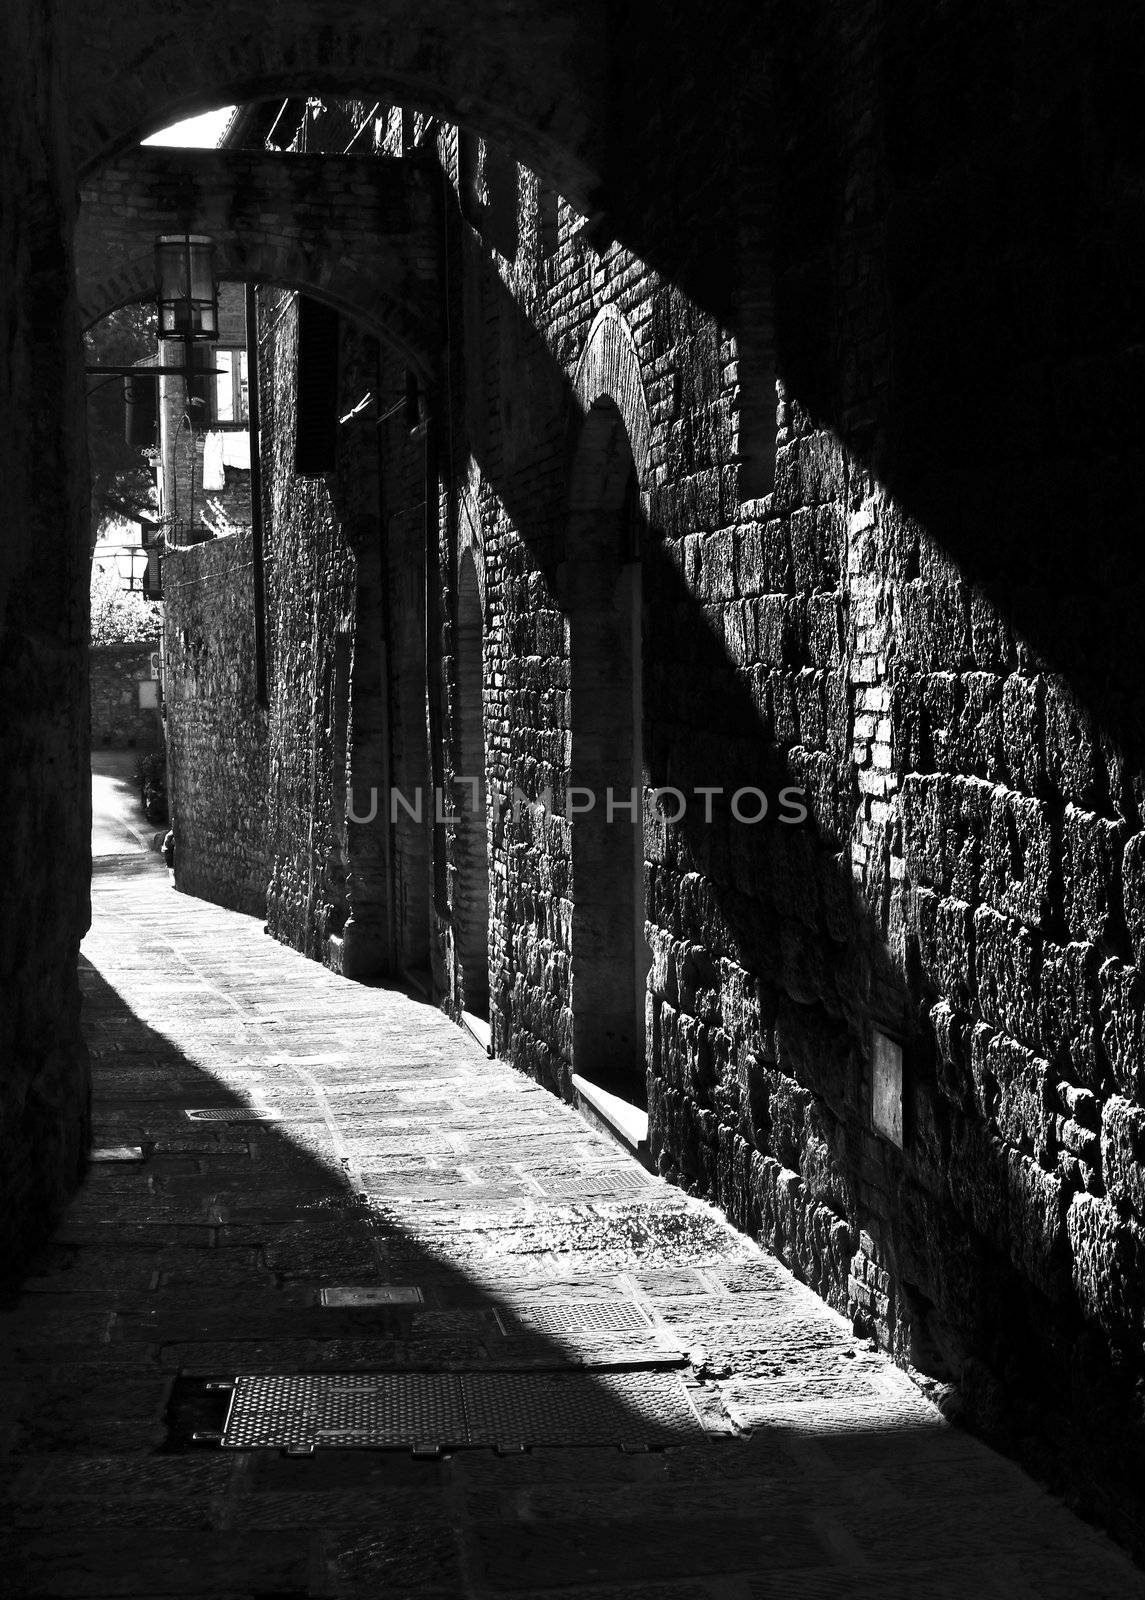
602 586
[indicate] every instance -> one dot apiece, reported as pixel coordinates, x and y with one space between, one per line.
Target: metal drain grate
617 1181
439 1409
232 1114
388 1295
630 1409
572 1316
342 1410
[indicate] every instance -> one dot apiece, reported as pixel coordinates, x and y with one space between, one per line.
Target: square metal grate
340 1410
440 1409
545 1408
572 1316
616 1180
387 1295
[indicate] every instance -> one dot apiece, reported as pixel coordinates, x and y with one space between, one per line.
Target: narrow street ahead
576 1380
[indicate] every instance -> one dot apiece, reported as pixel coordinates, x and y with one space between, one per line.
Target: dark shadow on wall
763 1099
959 290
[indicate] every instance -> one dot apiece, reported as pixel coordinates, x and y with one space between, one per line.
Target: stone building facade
771 429
125 705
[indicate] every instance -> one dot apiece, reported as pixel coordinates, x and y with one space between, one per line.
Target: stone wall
45 788
117 717
325 657
217 739
900 1037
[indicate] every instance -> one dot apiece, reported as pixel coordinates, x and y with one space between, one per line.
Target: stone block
911 747
811 709
1068 1010
1018 861
922 800
1022 732
944 930
1091 872
933 625
942 697
1022 1109
1123 1154
952 1055
1036 1223
822 468
807 965
1133 894
965 827
1072 765
1122 990
776 630
977 1177
1006 964
822 634
716 579
815 548
818 1054
980 743
1108 1265
991 636
763 563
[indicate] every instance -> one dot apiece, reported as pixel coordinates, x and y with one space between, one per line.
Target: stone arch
609 368
529 76
470 535
360 234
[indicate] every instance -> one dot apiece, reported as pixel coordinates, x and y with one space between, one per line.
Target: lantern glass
188 304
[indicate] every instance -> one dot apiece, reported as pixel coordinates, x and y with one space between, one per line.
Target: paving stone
848 1484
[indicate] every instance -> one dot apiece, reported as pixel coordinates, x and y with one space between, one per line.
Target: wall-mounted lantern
188 299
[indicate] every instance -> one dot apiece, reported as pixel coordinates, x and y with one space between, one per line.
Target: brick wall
117 718
217 738
327 894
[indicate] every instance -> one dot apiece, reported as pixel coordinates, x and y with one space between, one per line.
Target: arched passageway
884 632
361 234
532 77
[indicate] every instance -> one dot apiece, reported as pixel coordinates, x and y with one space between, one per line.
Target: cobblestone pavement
603 1390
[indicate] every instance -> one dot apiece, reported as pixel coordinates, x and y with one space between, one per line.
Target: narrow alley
479 1349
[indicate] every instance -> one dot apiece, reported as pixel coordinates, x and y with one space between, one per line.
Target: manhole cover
337 1410
388 1295
540 1408
572 1316
440 1409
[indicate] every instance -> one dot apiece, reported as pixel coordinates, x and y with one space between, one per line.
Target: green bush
151 776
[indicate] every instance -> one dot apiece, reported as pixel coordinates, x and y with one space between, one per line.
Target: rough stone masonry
903 1041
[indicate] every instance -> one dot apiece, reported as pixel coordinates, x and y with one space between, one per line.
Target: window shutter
316 399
